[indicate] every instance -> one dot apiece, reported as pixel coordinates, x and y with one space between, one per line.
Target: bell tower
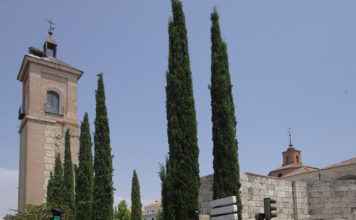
48 109
292 161
291 156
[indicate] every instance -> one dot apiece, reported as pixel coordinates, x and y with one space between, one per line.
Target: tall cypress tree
103 184
136 205
55 187
68 174
225 150
84 177
181 119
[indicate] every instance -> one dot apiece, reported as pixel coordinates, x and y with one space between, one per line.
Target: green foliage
167 200
183 174
50 189
68 174
41 212
84 177
103 184
159 215
162 175
33 213
136 205
225 150
55 187
122 212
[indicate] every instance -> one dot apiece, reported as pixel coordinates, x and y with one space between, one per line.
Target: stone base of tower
37 158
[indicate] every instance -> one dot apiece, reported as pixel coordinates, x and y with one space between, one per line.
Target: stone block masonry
291 197
332 200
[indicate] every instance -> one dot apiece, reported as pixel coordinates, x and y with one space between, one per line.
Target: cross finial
51 26
290 137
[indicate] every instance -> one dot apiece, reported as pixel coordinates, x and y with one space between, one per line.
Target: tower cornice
48 62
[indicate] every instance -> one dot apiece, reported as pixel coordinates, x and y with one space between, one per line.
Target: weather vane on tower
51 26
290 137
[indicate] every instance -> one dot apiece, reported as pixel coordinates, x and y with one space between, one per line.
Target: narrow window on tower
52 103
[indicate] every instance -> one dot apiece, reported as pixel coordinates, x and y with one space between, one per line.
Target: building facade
291 196
301 192
49 108
151 211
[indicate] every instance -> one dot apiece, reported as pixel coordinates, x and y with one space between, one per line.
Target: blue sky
292 65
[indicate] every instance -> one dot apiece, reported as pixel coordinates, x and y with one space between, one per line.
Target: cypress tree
225 150
84 177
50 186
55 187
136 205
68 175
183 173
103 185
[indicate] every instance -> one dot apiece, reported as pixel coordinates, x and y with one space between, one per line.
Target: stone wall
332 200
292 199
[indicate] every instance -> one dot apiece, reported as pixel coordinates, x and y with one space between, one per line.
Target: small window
280 175
297 159
52 104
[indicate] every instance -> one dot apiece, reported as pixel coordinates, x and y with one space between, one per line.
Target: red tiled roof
303 169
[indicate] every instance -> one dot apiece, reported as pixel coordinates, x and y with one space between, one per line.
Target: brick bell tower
291 160
49 108
291 156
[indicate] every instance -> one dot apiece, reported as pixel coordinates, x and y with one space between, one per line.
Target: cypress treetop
103 184
225 149
136 205
183 172
84 178
68 174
